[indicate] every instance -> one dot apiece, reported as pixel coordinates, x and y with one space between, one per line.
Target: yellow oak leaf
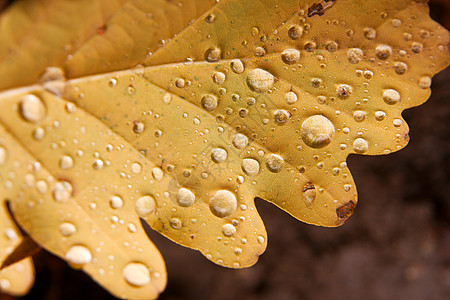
182 113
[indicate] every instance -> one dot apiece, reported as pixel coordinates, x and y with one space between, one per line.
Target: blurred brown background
397 245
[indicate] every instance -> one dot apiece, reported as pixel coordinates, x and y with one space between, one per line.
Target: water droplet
98 164
209 102
185 197
360 145
290 97
180 83
67 229
391 96
212 54
331 46
416 47
281 116
250 166
368 74
400 67
383 51
219 77
295 32
260 51
62 191
259 80
138 127
228 230
317 131
274 163
261 239
344 91
3 155
309 193
397 122
145 206
355 55
136 274
290 56
315 82
425 82
39 133
396 23
237 66
370 33
157 173
11 234
136 168
116 202
240 141
219 155
359 116
380 115
66 162
223 203
32 108
175 223
78 255
238 251
210 18
112 82
70 107
310 46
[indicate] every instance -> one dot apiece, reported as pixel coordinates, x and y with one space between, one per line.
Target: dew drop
180 83
136 168
391 96
66 162
39 133
218 77
185 197
237 66
290 97
67 229
116 202
78 255
157 174
210 18
317 131
425 82
360 145
274 163
383 51
309 193
145 206
250 166
228 230
98 164
136 274
175 223
259 80
219 155
354 55
344 91
416 47
370 33
209 102
290 56
295 32
223 203
62 191
212 54
240 141
281 116
138 127
359 116
380 115
400 67
32 108
260 51
331 46
397 122
261 239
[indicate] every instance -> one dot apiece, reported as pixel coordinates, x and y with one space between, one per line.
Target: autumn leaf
182 113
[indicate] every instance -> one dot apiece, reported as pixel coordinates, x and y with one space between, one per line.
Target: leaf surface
182 113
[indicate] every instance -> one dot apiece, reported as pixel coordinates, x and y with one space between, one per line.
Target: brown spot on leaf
319 8
346 211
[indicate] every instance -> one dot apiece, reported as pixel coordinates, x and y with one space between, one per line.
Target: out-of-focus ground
396 246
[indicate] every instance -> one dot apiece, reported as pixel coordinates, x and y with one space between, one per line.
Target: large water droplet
78 255
240 141
344 91
290 97
281 116
32 108
66 162
228 230
295 32
237 66
360 145
185 197
274 163
250 166
317 131
290 56
383 51
219 155
260 81
157 173
209 102
145 206
62 191
136 274
355 55
223 203
391 96
116 202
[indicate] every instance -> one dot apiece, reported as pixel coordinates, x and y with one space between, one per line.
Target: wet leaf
181 114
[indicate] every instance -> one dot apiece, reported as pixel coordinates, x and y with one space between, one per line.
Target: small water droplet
260 51
138 127
359 116
116 202
250 166
218 77
212 54
219 155
416 47
98 164
331 46
62 191
175 223
290 97
380 115
3 155
400 67
240 141
136 168
383 51
391 96
223 203
209 102
66 162
157 173
425 82
274 163
397 122
344 91
370 33
290 56
295 32
354 55
67 229
237 66
228 230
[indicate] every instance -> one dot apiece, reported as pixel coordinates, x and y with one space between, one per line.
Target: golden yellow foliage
182 113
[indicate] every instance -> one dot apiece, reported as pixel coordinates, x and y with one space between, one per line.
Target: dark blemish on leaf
346 211
319 8
102 29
